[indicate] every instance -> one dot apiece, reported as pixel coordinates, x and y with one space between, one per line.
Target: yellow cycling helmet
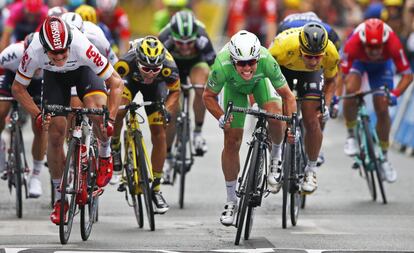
175 3
292 4
313 38
87 13
396 3
149 51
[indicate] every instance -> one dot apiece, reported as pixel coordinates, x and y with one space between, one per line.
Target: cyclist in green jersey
243 67
163 16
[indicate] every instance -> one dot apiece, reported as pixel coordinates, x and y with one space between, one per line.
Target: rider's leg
353 85
198 76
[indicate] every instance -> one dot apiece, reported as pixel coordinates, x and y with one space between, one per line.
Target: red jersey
255 13
118 23
392 49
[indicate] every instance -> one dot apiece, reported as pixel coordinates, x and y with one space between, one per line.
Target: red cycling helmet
55 34
374 32
33 6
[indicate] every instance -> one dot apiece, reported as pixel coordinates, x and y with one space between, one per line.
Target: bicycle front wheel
297 172
374 160
182 139
288 162
69 186
89 210
17 172
246 195
144 180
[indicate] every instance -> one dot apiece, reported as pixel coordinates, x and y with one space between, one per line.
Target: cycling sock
350 125
157 176
276 151
37 167
104 148
384 145
115 143
231 191
198 127
311 166
56 185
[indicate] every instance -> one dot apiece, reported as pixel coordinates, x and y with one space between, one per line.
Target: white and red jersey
392 49
95 35
11 57
81 53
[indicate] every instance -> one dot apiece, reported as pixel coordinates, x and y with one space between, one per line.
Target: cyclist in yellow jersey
309 61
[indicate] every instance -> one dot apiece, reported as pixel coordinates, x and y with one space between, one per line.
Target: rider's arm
288 98
210 101
403 84
20 93
329 89
5 37
116 85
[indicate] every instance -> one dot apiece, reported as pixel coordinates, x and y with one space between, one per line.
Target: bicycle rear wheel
372 145
144 180
89 210
245 199
68 191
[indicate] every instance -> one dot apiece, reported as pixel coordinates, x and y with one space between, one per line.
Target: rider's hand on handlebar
290 137
392 99
225 125
42 123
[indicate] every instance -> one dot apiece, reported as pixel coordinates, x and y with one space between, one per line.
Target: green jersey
223 73
265 81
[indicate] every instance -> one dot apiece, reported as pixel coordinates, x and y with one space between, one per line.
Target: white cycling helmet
73 19
244 46
106 5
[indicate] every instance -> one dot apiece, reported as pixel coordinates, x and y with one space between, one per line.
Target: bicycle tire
136 199
287 163
364 134
18 171
144 180
52 194
295 194
65 225
257 181
89 210
375 160
304 160
245 197
183 160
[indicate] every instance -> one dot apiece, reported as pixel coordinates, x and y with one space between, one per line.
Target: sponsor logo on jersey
25 61
8 57
166 72
95 56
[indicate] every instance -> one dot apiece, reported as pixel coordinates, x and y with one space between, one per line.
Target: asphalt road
339 216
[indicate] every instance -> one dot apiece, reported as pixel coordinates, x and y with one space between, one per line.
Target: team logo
25 61
166 72
95 56
56 36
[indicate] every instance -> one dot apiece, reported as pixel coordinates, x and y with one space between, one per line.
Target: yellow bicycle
137 171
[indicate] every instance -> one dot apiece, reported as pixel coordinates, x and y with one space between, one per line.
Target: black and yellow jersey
286 50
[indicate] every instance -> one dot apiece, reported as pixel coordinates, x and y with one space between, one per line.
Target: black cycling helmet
313 38
183 25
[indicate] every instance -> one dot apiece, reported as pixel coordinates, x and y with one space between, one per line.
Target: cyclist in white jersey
10 59
68 59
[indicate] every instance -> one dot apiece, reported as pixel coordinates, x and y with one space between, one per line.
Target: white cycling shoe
35 187
274 182
351 146
389 173
229 213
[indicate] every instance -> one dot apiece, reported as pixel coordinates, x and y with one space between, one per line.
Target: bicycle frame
133 127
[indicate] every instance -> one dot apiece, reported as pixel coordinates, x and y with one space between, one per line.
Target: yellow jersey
285 49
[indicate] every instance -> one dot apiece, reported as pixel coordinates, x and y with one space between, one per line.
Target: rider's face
58 58
312 61
374 52
246 69
149 74
184 47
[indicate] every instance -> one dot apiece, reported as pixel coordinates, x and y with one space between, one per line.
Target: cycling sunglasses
57 52
184 42
147 69
244 63
310 56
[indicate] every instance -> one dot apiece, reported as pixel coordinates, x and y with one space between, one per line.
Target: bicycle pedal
121 188
355 166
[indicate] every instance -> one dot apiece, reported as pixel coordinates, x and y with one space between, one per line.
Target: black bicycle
252 183
183 153
78 188
17 169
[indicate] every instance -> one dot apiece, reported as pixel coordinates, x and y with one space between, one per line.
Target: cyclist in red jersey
25 17
256 16
116 19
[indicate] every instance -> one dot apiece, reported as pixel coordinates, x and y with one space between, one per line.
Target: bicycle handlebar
360 95
76 110
7 99
135 106
191 86
257 113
